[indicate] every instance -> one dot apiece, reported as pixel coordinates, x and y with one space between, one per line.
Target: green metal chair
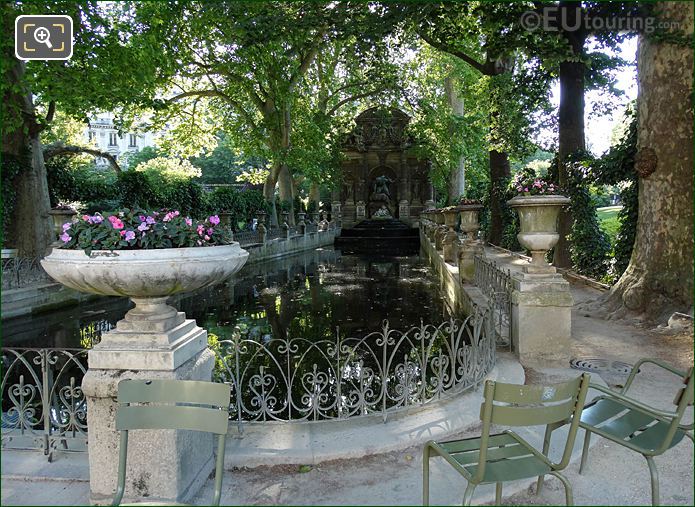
176 405
506 456
632 424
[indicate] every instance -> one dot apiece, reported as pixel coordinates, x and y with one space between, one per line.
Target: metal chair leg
585 450
426 475
546 449
468 494
498 493
654 474
569 498
539 484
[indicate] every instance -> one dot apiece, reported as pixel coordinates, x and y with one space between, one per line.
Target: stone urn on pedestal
538 216
61 215
152 341
449 237
539 294
469 246
440 230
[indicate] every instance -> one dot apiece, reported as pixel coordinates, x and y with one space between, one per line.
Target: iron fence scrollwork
43 405
297 379
18 272
496 284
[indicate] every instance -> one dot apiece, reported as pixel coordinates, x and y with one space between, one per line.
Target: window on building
133 141
91 135
113 139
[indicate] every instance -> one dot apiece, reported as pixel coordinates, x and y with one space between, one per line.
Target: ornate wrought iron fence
289 380
247 237
20 272
496 284
297 379
42 401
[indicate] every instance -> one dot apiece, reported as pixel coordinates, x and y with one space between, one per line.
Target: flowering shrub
529 185
137 229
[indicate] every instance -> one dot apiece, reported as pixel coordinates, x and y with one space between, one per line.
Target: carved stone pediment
379 127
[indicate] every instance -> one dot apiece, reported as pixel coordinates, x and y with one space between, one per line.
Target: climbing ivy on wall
616 167
11 167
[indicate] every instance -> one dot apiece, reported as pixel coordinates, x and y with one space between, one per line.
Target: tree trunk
499 174
286 194
458 177
269 194
571 120
31 230
659 278
315 195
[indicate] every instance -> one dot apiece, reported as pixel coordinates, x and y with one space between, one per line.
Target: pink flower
214 219
188 221
143 227
210 231
96 219
66 226
116 222
65 237
206 237
142 218
129 235
526 190
122 233
200 229
86 218
150 220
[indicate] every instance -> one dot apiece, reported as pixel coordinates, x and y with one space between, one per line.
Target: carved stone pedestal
541 318
467 251
164 465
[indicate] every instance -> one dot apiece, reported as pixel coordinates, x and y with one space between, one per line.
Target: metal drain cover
598 364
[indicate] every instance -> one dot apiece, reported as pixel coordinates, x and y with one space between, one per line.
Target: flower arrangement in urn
139 230
528 184
538 204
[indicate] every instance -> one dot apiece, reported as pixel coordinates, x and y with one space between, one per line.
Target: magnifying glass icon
43 36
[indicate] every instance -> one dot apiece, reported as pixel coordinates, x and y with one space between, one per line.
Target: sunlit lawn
608 220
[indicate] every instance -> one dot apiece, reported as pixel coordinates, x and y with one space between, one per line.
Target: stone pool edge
311 443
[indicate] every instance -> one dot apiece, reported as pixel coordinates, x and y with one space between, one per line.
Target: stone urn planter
469 219
538 219
61 215
449 237
440 230
152 341
148 278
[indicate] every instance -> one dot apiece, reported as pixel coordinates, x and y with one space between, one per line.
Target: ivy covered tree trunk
659 278
570 121
31 229
499 176
457 180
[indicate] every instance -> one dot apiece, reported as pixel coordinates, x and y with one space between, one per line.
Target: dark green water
309 295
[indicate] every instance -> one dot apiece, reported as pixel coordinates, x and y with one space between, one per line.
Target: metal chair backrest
172 404
533 405
683 399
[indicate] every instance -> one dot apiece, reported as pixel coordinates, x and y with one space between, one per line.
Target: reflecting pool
308 295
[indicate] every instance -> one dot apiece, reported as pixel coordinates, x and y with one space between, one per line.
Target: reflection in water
308 295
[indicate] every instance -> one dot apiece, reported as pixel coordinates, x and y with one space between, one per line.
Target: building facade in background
102 133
